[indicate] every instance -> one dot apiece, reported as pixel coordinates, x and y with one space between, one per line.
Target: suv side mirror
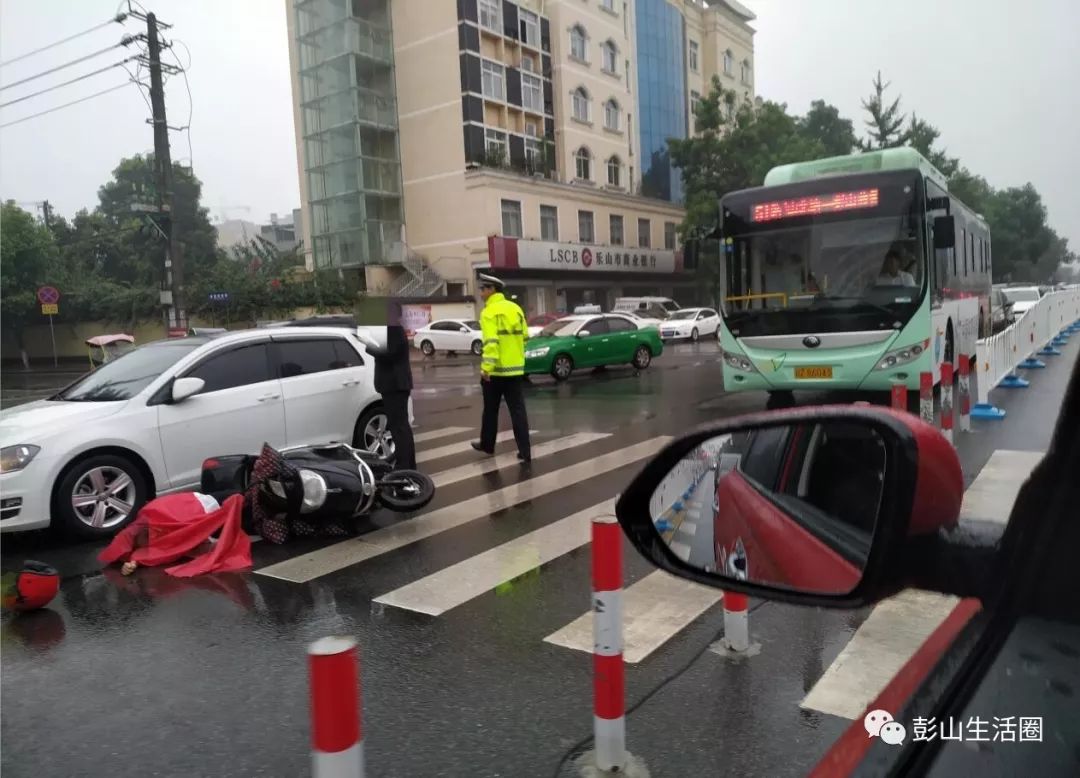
834 506
944 232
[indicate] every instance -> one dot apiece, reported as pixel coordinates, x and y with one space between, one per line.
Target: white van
653 307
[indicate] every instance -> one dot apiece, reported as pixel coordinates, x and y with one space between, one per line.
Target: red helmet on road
31 588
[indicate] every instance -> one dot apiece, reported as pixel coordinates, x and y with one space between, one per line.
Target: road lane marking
896 627
459 448
338 556
455 585
445 432
680 549
883 644
992 494
473 469
655 609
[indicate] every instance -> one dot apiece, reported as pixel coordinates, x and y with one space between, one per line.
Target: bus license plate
813 372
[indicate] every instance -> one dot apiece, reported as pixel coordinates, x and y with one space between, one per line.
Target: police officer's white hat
487 280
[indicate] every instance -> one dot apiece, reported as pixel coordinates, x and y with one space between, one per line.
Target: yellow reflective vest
504 329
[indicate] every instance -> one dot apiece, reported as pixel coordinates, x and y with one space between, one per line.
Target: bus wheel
780 399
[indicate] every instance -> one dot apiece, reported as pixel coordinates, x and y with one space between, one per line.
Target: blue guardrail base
1014 382
987 411
1031 364
664 526
1049 351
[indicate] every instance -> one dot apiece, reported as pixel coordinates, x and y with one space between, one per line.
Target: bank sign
580 257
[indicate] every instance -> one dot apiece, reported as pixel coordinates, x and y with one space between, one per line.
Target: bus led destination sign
815 204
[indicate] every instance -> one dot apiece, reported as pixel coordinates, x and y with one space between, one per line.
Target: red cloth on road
176 525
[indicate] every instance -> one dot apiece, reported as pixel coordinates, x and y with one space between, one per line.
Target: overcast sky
996 77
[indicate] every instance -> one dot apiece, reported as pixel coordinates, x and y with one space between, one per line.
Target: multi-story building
528 136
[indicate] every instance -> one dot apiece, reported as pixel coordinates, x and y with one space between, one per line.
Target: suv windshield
125 377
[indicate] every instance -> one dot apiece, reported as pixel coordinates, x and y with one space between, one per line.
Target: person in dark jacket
393 381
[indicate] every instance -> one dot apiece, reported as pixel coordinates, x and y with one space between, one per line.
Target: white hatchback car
87 458
691 323
450 335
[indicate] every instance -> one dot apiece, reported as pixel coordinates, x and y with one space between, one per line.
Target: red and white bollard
736 621
899 397
609 684
337 737
926 397
946 401
965 394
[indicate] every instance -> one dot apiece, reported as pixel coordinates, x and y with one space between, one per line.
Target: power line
123 42
191 102
65 105
69 83
119 18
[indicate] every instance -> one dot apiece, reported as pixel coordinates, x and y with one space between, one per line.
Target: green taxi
591 340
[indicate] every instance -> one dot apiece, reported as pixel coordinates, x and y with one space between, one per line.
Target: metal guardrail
1038 332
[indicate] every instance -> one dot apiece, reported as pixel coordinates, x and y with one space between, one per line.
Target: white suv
142 425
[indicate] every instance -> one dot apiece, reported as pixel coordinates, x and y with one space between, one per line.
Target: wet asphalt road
208 677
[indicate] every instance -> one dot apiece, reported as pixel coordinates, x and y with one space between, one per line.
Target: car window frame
278 362
594 333
631 326
266 343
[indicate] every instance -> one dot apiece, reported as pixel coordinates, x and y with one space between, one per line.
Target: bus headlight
902 356
739 362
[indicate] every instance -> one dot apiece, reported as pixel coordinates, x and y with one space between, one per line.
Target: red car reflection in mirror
799 509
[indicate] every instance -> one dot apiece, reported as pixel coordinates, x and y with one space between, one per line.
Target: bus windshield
833 276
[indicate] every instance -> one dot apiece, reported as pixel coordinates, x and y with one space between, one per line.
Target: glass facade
349 119
661 78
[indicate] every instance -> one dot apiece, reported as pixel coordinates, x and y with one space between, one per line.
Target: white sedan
691 323
641 320
450 335
88 457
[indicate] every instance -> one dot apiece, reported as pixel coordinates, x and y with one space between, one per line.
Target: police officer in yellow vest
502 369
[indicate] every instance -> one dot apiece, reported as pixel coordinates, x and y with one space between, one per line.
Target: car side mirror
464 329
944 232
584 334
818 506
183 388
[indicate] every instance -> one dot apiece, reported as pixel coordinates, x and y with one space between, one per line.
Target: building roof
735 7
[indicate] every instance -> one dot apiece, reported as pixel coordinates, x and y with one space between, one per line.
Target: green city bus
851 273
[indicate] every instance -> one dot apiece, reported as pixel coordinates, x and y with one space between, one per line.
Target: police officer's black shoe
524 458
478 447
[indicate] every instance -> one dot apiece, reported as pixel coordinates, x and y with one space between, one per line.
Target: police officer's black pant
396 405
495 390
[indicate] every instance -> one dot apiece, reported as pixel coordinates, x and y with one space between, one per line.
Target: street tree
886 122
27 262
824 123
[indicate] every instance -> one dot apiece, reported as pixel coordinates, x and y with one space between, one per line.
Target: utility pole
45 214
172 278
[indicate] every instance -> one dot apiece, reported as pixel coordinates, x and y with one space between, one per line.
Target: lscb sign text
534 254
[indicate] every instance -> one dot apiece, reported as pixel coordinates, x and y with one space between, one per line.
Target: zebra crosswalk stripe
455 585
307 567
459 448
473 469
443 432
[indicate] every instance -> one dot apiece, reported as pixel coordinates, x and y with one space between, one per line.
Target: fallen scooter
305 490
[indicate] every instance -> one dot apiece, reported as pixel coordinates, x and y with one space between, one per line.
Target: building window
529 27
695 101
585 227
610 56
549 222
609 5
694 56
669 236
611 115
511 218
532 129
580 105
528 63
626 70
534 154
583 164
630 132
532 93
729 62
614 171
615 226
493 80
491 14
495 144
644 239
729 109
577 43
744 72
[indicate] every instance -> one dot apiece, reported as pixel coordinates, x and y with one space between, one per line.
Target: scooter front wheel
406 490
